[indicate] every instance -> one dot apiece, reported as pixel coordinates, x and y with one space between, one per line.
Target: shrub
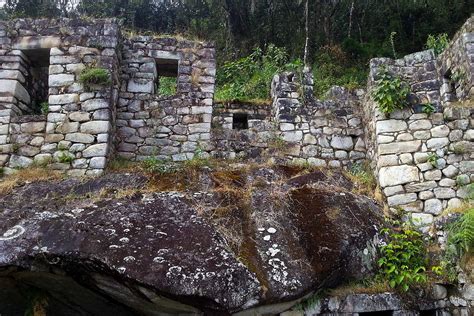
333 67
390 92
428 108
403 262
433 159
94 76
437 43
44 106
250 77
160 166
167 86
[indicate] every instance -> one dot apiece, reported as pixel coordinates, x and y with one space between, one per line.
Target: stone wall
321 133
173 127
79 123
424 161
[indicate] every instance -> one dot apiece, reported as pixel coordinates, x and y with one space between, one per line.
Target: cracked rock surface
119 245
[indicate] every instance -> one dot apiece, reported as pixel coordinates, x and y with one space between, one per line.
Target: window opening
36 79
240 121
167 76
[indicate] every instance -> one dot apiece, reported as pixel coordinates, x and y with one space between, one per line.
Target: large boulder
231 241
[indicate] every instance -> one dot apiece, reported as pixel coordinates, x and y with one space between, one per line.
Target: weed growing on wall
390 92
44 107
437 43
404 261
94 76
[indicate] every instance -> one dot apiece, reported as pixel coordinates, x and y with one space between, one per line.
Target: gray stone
95 127
33 127
43 159
438 292
422 219
463 179
402 199
98 163
63 99
388 126
420 125
421 186
466 166
28 151
61 80
140 86
444 193
79 116
432 175
20 161
400 147
383 139
80 138
447 183
437 143
433 206
450 171
406 159
13 87
422 134
440 131
391 176
98 150
389 191
292 137
95 104
426 195
455 203
342 142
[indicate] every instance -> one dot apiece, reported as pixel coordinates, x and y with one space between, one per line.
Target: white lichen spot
77 211
114 246
124 240
12 233
158 259
267 238
271 230
121 269
129 259
110 231
261 229
272 252
149 227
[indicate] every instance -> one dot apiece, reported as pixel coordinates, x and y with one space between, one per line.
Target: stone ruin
424 162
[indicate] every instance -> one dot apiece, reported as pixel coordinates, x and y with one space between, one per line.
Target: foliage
156 165
428 108
437 43
94 76
433 159
333 67
249 78
403 262
390 92
362 175
65 157
392 43
44 106
167 86
460 242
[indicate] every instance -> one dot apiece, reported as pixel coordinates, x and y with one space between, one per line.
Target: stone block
20 162
422 219
444 193
450 171
420 125
389 126
401 199
95 127
292 137
433 206
437 143
98 150
79 116
342 142
80 138
61 80
440 131
94 104
16 89
140 86
389 191
421 186
391 176
63 99
33 127
97 163
400 147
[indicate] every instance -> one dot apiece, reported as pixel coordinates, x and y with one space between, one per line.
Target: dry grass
358 288
465 206
27 175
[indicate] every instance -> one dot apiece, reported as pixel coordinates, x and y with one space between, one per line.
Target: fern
461 234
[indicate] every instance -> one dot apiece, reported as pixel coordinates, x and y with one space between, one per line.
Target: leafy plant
437 43
460 242
403 262
249 78
44 106
160 166
167 86
390 92
94 76
433 159
428 108
65 157
392 43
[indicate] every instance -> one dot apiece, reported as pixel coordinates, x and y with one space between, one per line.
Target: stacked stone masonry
425 161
